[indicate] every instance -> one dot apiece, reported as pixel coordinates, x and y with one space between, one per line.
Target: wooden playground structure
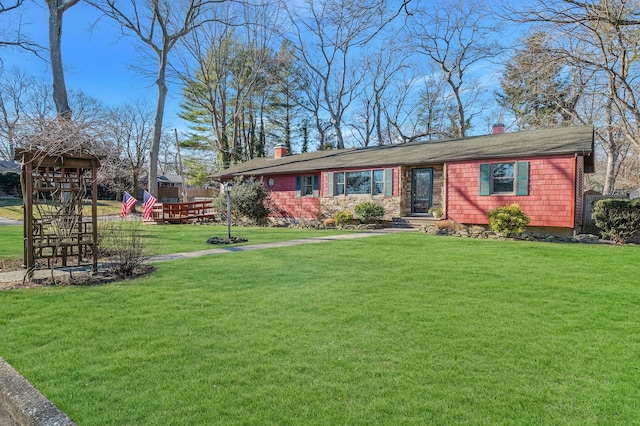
57 230
194 211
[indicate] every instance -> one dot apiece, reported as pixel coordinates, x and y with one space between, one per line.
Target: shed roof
552 141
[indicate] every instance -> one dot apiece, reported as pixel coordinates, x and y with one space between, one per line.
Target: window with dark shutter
485 179
330 184
504 178
388 182
522 179
316 186
361 182
308 186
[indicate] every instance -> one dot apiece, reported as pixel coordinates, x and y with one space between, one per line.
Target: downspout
574 190
445 197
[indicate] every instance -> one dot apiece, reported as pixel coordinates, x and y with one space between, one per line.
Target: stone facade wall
330 205
290 206
438 195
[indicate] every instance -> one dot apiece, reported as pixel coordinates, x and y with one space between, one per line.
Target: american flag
149 202
127 202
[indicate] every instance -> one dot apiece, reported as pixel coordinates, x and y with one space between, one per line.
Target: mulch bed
232 240
82 278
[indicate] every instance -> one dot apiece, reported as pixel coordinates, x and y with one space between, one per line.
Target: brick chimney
280 151
498 129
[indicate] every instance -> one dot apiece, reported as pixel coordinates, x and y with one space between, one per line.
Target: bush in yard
449 226
618 218
343 217
508 220
437 212
249 200
329 222
125 245
369 212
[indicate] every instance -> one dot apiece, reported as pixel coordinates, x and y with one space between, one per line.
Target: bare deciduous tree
14 90
10 6
312 102
130 132
383 67
11 34
601 37
457 36
417 106
26 106
159 25
329 38
207 93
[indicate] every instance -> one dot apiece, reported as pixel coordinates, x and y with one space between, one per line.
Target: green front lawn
11 241
11 208
163 239
395 329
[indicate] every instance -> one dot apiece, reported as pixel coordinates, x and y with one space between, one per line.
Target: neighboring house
169 187
540 170
10 179
170 180
9 167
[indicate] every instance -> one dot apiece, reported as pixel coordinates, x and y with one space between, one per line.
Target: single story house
541 170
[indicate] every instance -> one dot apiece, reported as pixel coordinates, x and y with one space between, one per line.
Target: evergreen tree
283 102
537 86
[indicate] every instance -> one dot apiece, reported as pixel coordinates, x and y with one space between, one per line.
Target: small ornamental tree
618 219
508 220
248 201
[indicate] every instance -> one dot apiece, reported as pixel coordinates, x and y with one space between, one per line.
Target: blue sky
96 61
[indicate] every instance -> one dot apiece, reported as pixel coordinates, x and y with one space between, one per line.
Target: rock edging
21 404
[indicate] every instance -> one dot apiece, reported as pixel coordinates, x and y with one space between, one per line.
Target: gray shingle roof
9 167
553 141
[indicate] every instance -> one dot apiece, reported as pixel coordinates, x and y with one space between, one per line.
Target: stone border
22 405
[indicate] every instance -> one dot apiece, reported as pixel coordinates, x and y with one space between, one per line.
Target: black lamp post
227 189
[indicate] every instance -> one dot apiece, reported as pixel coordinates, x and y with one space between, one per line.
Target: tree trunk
610 174
56 10
154 154
322 135
338 130
378 120
459 111
612 149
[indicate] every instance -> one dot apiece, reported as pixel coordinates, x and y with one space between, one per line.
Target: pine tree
536 86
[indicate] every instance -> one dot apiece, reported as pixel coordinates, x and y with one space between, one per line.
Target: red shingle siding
283 194
551 199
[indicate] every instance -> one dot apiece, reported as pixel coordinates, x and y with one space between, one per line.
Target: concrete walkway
18 276
251 247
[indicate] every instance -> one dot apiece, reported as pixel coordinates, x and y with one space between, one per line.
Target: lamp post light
227 189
